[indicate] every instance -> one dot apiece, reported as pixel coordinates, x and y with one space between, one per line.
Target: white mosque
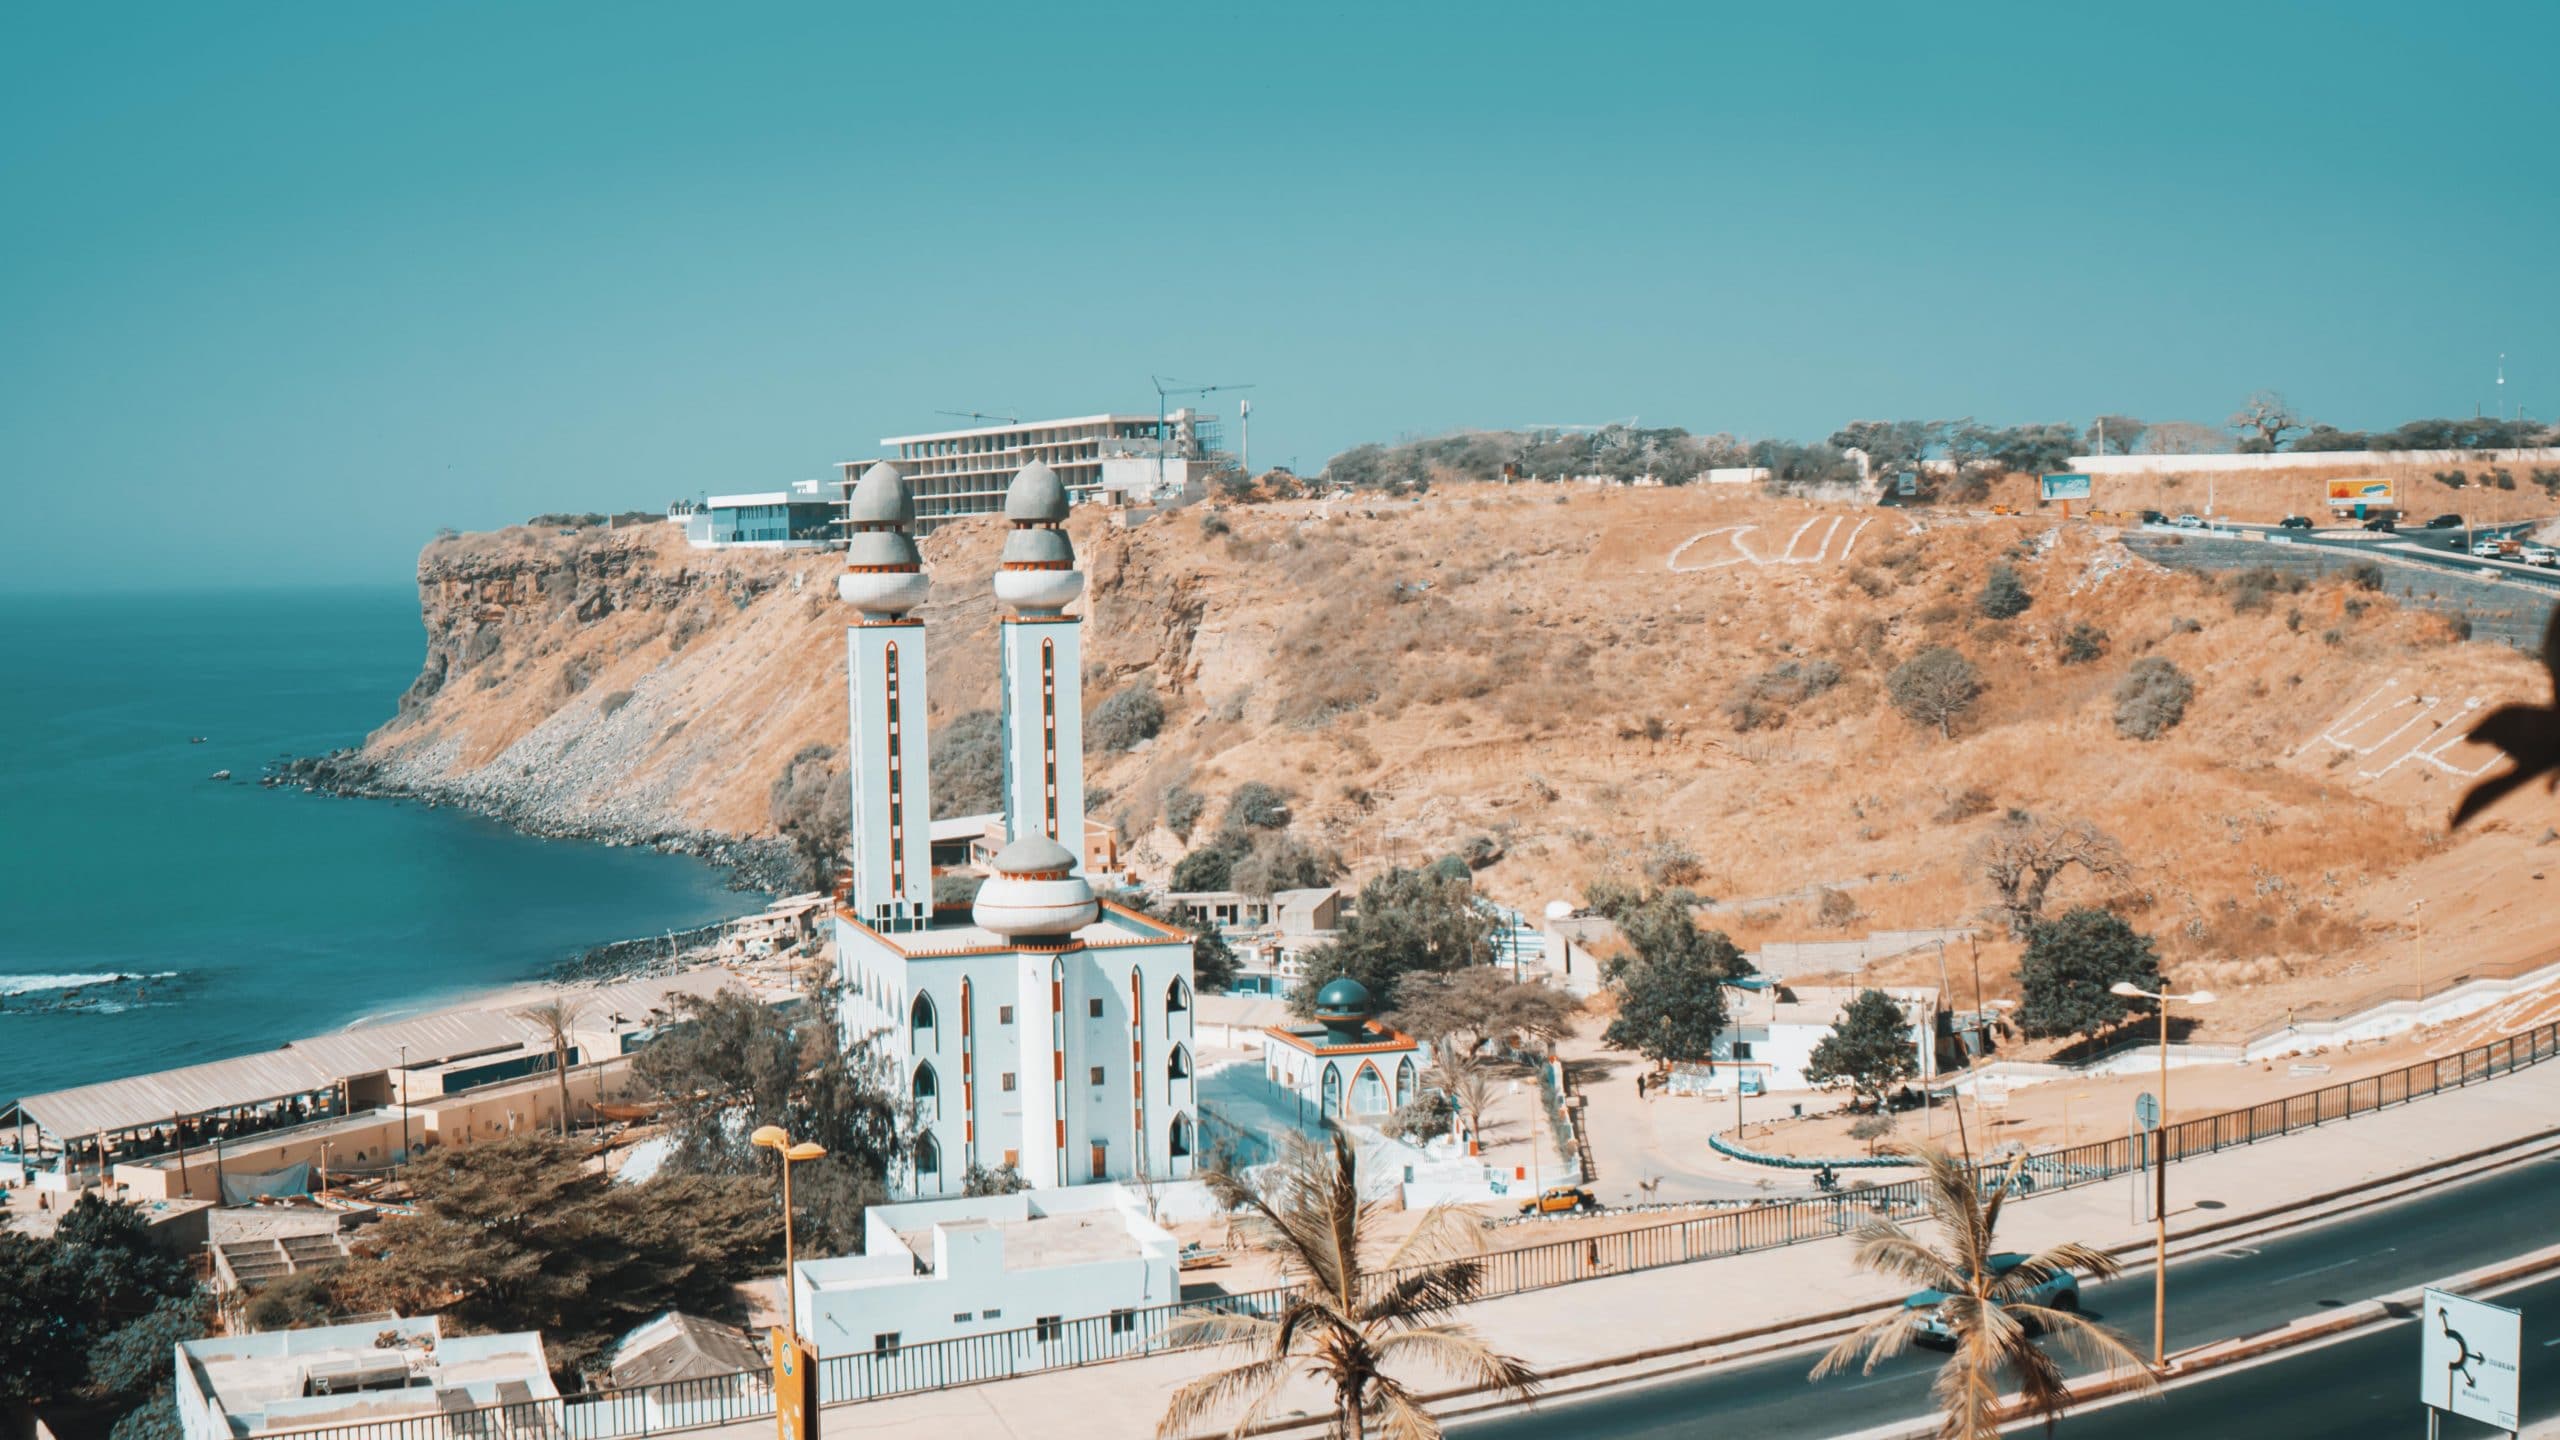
1041 1028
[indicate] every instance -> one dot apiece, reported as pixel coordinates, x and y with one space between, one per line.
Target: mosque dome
1035 497
1039 546
883 575
1034 892
880 498
1343 995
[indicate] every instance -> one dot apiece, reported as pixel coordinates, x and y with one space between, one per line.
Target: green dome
1343 995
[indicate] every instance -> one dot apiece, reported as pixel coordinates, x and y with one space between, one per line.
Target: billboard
2066 487
2468 1352
2348 494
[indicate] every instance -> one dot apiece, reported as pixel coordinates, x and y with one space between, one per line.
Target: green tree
2116 434
1213 961
2069 964
1406 922
521 1234
1211 867
1988 1309
1934 687
65 1300
732 1063
813 809
1256 806
2004 594
1126 717
1277 861
1868 1049
1361 1307
1671 994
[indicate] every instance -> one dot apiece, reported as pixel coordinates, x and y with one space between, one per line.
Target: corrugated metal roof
298 1068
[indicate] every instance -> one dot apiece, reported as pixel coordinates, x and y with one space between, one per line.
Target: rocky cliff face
1629 684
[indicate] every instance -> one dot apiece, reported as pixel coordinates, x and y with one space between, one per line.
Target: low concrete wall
2301 460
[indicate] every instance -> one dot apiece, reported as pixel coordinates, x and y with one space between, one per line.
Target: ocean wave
33 984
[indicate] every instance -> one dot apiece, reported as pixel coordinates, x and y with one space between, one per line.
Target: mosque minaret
1041 1028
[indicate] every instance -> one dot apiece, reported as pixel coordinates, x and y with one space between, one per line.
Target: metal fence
1063 1344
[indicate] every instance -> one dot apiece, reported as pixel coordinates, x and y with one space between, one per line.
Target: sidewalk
1602 1320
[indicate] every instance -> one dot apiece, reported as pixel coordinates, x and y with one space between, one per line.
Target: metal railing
894 1369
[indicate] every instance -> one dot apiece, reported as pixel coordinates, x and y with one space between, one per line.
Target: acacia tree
2069 966
1990 1311
2024 855
1471 1007
1934 687
1359 1308
2116 434
2263 420
1868 1048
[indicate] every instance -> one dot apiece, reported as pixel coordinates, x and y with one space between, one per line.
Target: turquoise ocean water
260 915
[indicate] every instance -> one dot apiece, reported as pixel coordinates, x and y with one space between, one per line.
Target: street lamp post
778 1140
2160 1167
404 1103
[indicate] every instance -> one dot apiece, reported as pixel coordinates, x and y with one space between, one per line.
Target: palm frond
1197 1401
1880 1339
1400 1413
1223 1328
1459 1352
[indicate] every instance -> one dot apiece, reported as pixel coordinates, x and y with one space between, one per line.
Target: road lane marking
2332 1265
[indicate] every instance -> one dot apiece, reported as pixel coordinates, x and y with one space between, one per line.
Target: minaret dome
883 573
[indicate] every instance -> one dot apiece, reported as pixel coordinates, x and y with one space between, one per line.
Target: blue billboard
2066 487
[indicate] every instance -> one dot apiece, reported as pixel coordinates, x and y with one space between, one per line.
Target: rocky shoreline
762 864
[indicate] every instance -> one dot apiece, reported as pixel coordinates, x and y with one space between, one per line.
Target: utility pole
1244 435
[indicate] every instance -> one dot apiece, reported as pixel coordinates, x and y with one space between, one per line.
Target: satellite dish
1559 909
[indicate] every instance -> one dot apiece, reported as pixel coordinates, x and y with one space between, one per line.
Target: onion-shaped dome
1038 592
1035 497
881 550
880 498
1040 548
1343 995
1035 892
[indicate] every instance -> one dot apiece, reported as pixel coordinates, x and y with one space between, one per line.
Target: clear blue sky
283 288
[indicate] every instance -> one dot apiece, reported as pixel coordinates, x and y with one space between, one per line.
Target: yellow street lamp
2160 1167
778 1140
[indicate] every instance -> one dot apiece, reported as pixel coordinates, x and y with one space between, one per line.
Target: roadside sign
2068 486
2467 1358
1907 483
2353 494
795 1387
2146 1109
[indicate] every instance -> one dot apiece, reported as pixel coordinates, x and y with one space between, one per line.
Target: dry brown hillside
1597 679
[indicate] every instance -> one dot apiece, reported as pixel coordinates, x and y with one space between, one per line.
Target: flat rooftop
1045 1241
259 1380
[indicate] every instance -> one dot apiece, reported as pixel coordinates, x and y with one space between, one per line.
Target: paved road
2348 1391
2241 1289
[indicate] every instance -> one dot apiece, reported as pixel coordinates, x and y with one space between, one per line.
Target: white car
2487 547
2188 522
2542 555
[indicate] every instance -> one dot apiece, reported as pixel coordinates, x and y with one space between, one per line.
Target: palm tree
1987 1309
1354 1315
558 1017
1463 1076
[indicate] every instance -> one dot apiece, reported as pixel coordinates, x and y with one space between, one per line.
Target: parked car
2057 1292
2445 522
1556 1199
2489 547
2154 517
2295 522
2383 523
2542 555
2190 522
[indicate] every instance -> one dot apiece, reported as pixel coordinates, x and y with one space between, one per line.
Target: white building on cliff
1041 1029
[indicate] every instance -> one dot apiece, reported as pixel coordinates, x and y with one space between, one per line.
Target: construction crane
1169 385
980 415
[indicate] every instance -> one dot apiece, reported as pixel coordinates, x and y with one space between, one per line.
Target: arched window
1177 1066
1368 1091
928 1094
1404 1082
1330 1097
920 1021
928 1155
1180 1143
1177 999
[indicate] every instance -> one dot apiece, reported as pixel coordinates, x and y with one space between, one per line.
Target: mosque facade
1041 1027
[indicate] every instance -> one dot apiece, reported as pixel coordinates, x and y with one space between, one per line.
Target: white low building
372 1372
1014 1268
1773 1031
